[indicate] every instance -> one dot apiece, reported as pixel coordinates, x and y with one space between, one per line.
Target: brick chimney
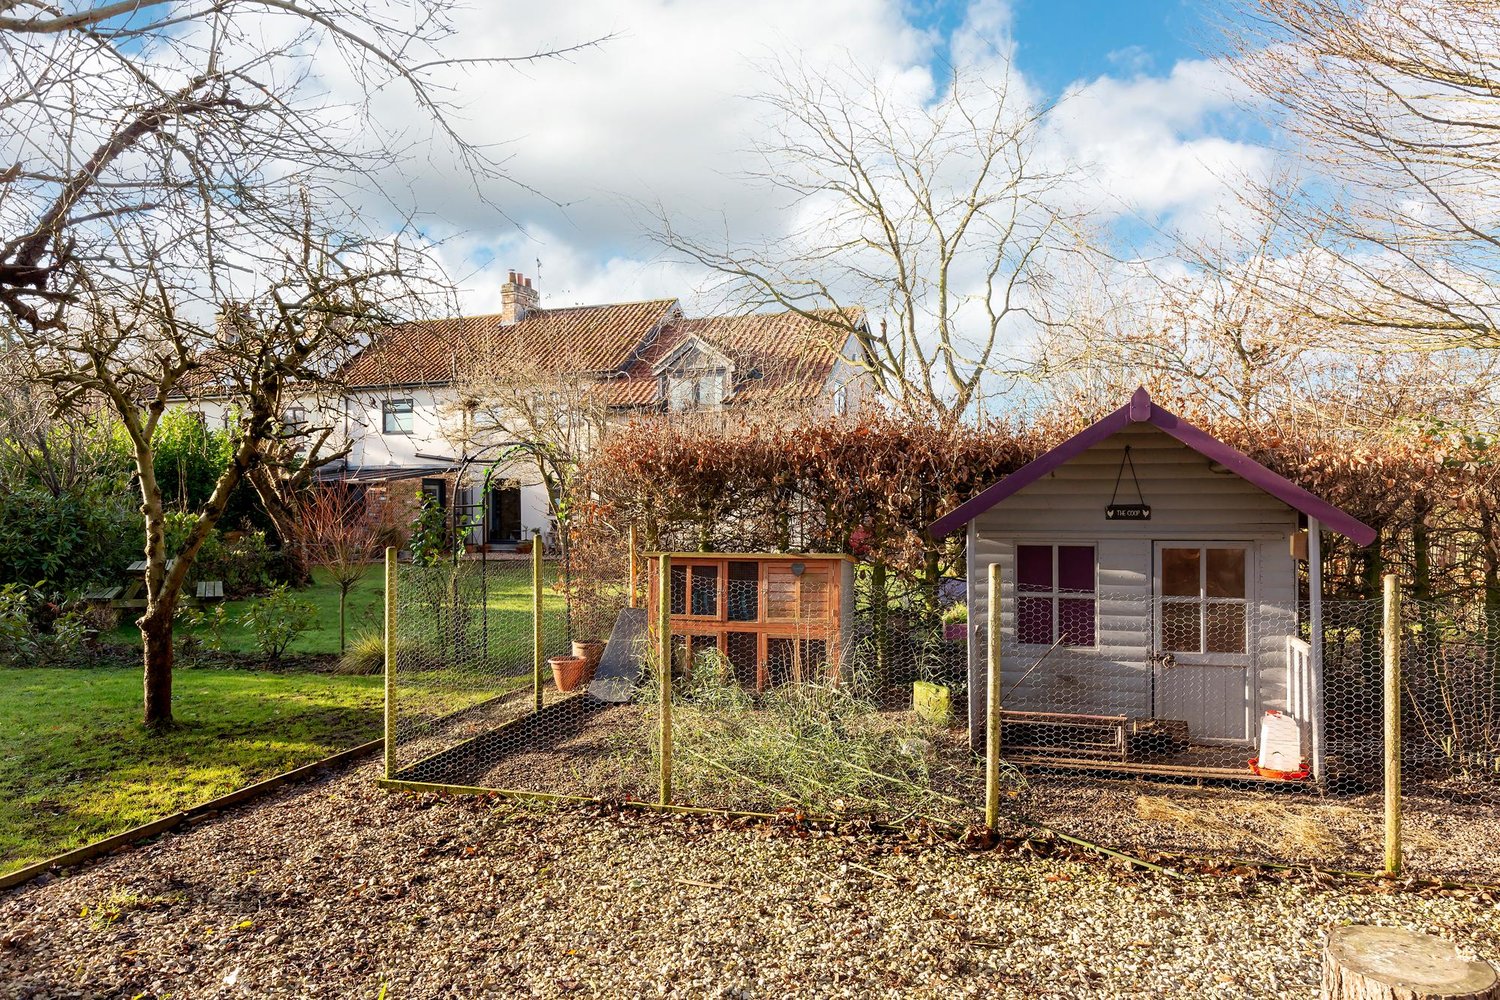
517 298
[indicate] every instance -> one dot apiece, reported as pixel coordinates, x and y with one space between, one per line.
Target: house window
699 390
436 490
294 416
1203 600
1056 595
396 416
841 401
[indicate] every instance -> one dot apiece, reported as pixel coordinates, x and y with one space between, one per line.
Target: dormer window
696 390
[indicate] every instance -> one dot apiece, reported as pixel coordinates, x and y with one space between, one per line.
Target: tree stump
1387 963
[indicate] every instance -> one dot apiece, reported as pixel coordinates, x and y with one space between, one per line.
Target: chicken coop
773 618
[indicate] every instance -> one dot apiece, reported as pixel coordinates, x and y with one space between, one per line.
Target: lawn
510 595
76 765
366 604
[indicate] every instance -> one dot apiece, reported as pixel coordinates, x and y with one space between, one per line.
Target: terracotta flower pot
591 653
567 671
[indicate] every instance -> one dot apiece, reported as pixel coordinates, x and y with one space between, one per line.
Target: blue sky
1060 42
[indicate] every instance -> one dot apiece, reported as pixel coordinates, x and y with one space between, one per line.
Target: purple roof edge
1141 409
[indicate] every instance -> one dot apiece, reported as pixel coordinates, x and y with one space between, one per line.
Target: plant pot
567 671
591 652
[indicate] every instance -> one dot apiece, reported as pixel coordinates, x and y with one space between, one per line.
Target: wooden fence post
536 620
635 569
664 661
1392 726
390 659
992 703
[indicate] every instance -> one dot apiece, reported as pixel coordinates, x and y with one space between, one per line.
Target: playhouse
774 617
1149 602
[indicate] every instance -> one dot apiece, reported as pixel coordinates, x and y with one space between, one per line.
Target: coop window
1057 595
1203 597
744 591
396 416
695 591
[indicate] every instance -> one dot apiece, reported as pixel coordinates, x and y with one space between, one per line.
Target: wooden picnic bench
210 590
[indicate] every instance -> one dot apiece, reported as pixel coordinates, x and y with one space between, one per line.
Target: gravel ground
1441 839
336 888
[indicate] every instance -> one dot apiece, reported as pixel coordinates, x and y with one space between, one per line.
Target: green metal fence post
536 619
390 660
1392 726
664 661
992 703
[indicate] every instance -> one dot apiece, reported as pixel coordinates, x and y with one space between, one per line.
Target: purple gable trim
1140 409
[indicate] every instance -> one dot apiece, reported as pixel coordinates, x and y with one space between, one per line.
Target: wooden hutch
775 618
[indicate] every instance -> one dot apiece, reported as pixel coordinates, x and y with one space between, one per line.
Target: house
409 432
1148 599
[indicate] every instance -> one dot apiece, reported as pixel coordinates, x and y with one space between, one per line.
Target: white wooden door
1203 663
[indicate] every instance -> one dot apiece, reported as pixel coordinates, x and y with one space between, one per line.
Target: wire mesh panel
1227 733
1204 719
787 696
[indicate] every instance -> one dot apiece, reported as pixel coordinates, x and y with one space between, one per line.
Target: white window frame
388 412
1053 594
1202 600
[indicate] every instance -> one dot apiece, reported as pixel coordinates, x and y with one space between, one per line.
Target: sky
662 113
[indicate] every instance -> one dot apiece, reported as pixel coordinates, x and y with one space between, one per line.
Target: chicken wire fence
1137 724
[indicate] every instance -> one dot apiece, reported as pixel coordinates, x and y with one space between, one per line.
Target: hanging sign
1127 511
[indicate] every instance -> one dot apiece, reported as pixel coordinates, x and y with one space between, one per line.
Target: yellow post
992 703
664 665
1392 726
390 660
635 569
536 620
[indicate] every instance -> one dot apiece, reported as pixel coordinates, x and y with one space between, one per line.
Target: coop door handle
1163 660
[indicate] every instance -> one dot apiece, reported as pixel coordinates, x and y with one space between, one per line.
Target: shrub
430 537
82 536
38 630
277 620
365 654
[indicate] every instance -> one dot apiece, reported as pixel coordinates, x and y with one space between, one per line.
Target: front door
1204 668
505 514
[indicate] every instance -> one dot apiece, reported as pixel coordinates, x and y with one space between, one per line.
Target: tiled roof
781 357
577 338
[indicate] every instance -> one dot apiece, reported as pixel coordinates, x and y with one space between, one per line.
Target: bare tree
336 531
937 215
529 402
1220 327
1395 106
186 215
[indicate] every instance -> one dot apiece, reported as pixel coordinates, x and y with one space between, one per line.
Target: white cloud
664 111
1149 146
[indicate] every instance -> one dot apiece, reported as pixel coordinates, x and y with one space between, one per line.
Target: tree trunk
1388 963
343 602
157 654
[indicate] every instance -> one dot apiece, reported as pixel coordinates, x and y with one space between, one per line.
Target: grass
366 608
76 765
510 596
